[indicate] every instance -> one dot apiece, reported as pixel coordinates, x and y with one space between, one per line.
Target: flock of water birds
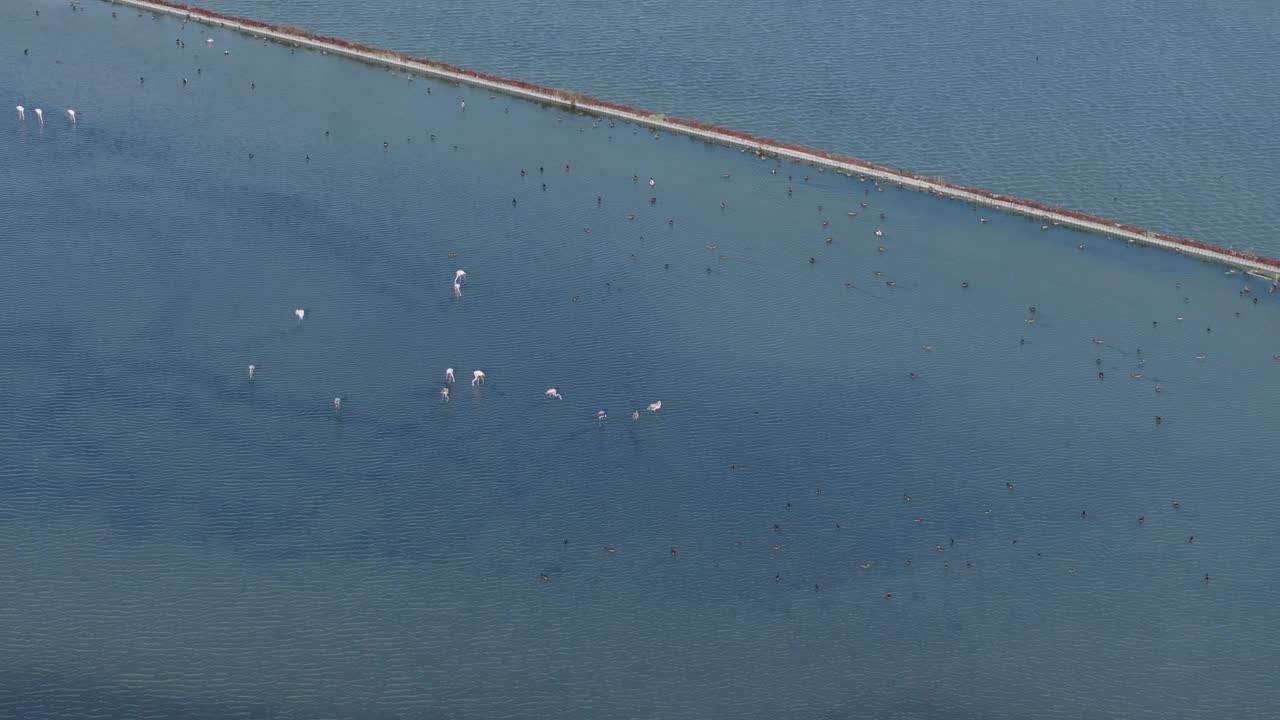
22 114
478 376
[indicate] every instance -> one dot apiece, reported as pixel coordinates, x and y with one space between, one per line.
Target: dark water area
182 542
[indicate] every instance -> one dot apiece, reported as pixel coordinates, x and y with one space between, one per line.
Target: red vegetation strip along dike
1248 261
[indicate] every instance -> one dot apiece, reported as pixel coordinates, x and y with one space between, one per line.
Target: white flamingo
601 416
554 393
651 182
477 377
448 375
635 415
22 113
444 393
655 407
72 114
464 105
251 369
299 313
40 115
459 276
457 290
337 404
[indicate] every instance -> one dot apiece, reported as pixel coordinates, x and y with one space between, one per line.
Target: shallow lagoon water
1155 113
180 542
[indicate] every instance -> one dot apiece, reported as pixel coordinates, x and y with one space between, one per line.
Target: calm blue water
1157 113
179 542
